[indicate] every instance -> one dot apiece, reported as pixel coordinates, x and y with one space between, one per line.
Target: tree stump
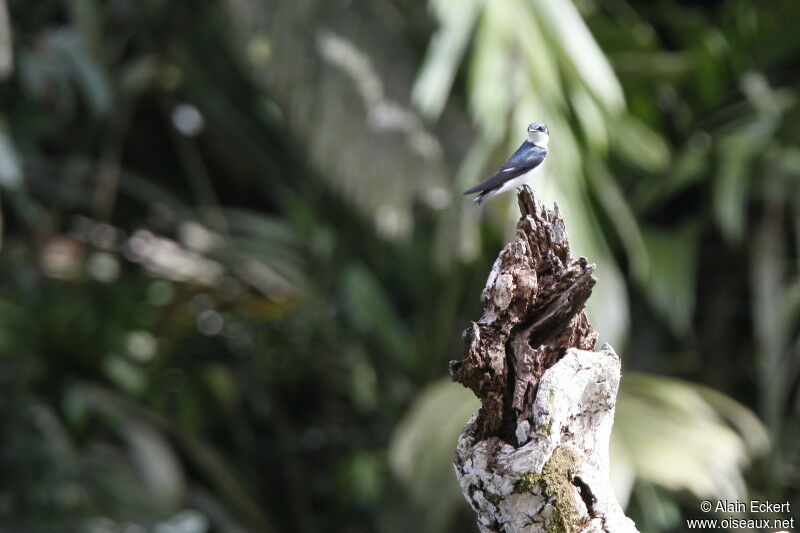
535 456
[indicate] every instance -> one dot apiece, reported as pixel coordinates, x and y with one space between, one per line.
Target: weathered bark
535 456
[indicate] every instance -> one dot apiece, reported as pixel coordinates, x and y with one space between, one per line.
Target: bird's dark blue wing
527 157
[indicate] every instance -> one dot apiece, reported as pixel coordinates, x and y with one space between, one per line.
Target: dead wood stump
535 456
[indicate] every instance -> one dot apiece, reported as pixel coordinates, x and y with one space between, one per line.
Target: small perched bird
519 168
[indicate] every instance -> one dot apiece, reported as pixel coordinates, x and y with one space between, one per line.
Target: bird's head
538 134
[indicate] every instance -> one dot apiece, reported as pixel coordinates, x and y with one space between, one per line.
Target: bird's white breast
522 179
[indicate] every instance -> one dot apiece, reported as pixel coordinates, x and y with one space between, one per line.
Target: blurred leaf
730 187
6 40
86 15
202 455
158 464
10 171
125 375
64 61
462 221
223 385
362 478
593 123
670 286
421 450
570 36
676 435
653 64
688 168
621 215
435 78
269 240
370 309
640 145
773 335
738 149
542 67
489 91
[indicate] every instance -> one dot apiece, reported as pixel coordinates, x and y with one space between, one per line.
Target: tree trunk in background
535 456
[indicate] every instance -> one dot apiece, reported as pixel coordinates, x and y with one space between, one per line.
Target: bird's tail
476 188
481 197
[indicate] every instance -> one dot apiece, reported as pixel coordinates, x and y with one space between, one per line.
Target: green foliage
235 263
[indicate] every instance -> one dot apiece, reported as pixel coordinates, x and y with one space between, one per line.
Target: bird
521 166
